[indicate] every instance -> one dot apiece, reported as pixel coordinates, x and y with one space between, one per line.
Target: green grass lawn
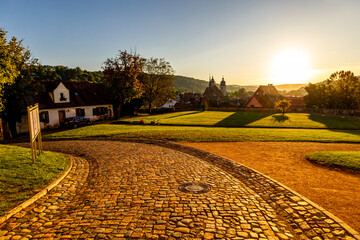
350 160
20 179
250 119
208 134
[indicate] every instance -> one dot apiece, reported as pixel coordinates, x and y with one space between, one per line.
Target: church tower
223 87
211 82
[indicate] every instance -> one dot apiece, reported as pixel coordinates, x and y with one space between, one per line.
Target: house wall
57 94
254 102
69 112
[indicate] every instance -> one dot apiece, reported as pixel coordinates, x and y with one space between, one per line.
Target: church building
213 93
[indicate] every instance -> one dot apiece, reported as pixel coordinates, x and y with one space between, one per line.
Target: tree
240 93
340 91
121 77
283 105
17 87
12 55
157 81
344 88
20 94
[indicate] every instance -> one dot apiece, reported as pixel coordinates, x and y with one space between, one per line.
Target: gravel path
121 190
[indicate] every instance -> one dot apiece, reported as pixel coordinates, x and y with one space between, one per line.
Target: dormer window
62 97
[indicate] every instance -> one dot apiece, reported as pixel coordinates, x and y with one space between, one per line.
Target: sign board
34 129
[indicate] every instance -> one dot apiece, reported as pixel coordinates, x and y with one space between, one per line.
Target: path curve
120 190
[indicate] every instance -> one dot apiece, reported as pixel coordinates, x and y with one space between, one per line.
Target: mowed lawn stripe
209 134
250 119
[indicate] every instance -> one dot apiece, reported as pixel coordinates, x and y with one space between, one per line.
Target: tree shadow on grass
336 122
242 118
137 119
181 115
280 118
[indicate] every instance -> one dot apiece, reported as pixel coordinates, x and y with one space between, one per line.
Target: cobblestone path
121 190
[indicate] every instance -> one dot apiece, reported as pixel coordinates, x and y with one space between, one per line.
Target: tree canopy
121 77
66 74
283 105
340 91
13 57
157 81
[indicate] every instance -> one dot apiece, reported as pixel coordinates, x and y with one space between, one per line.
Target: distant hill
289 87
189 84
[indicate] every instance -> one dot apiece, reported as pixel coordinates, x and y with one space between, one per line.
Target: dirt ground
338 191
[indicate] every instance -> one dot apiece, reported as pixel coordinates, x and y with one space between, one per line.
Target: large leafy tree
121 77
157 81
20 94
16 80
12 55
340 91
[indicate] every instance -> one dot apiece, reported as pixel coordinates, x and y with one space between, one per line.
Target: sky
248 42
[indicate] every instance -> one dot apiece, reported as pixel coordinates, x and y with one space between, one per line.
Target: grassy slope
251 119
350 160
21 179
198 134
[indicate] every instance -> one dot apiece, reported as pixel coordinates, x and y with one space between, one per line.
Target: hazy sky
249 42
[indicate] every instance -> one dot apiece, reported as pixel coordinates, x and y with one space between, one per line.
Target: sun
290 67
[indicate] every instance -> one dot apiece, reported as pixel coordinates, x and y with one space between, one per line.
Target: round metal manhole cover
195 188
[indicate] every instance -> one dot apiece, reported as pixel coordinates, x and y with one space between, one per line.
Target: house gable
61 94
264 96
254 103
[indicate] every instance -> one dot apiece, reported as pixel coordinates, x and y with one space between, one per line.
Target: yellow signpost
34 130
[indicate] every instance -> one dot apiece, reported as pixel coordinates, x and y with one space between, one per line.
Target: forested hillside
189 84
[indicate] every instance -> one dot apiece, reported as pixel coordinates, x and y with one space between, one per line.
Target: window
62 97
44 117
100 111
80 112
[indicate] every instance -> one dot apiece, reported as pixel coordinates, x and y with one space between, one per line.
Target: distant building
264 97
213 94
297 103
223 87
170 103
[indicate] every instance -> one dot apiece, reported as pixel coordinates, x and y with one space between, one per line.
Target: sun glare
291 67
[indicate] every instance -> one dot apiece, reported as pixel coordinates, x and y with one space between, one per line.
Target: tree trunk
150 108
12 128
117 109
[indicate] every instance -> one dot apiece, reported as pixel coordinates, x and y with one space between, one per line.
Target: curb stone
40 194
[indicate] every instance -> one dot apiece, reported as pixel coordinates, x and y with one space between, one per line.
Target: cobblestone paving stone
130 190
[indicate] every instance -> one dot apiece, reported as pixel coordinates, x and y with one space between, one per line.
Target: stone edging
40 194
